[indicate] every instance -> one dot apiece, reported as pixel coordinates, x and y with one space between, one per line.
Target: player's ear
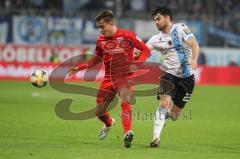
112 22
169 18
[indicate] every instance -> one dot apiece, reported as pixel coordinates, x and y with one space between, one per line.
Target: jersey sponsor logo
119 44
169 42
164 46
109 45
125 44
164 50
187 31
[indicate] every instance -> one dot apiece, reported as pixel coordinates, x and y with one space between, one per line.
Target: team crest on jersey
120 39
169 42
174 34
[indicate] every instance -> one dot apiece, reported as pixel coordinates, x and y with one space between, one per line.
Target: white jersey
175 50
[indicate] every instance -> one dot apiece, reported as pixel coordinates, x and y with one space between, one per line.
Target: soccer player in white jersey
180 50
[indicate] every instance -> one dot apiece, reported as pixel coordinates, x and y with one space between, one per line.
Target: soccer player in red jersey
115 48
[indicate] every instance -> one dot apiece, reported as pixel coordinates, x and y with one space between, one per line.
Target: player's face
106 28
160 22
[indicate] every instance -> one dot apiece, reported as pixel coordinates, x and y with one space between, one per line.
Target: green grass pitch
30 129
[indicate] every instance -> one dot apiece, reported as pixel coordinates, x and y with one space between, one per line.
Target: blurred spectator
54 57
223 14
94 5
73 5
86 54
37 4
233 63
53 4
7 4
138 5
21 4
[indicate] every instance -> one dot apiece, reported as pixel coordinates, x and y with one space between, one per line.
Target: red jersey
117 52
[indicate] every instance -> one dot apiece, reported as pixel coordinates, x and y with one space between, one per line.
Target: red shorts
109 89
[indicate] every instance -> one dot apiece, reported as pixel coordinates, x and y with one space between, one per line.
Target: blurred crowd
31 7
202 8
223 14
188 8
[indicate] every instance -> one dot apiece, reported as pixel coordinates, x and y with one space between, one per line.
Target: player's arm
191 41
91 62
142 47
195 51
150 43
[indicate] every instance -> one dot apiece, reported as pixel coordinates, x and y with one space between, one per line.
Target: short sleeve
98 50
137 41
185 32
150 43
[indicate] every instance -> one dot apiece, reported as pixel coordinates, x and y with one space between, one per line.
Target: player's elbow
196 45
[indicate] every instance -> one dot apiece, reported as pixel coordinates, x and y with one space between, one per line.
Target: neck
168 28
114 30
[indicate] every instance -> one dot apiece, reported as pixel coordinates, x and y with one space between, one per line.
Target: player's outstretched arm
195 51
91 62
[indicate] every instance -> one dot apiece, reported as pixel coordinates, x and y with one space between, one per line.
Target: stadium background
43 33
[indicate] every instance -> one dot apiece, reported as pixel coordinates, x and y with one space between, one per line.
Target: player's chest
166 44
116 45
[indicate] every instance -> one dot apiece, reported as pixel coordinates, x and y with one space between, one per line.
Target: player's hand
193 64
132 68
72 71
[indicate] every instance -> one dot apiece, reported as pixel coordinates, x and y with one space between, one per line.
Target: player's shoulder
180 25
125 32
128 34
121 30
100 38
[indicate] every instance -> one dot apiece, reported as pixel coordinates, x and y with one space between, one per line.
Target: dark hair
105 15
163 11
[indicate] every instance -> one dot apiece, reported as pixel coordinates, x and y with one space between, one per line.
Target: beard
161 28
